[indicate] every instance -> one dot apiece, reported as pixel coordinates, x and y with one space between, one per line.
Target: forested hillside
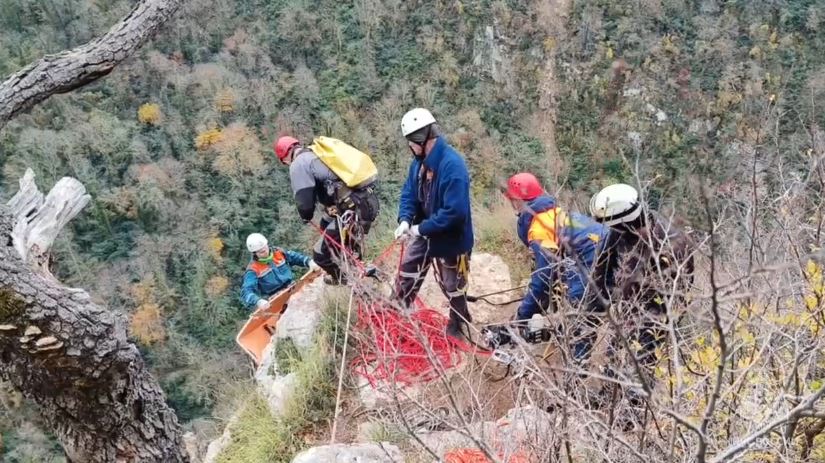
711 105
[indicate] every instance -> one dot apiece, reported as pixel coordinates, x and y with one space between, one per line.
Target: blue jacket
553 235
450 225
262 280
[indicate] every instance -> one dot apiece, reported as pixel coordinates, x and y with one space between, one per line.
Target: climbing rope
392 346
468 455
484 297
400 348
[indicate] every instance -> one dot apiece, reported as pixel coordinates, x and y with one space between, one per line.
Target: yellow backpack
352 166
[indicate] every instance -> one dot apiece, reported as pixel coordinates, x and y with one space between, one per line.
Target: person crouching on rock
565 247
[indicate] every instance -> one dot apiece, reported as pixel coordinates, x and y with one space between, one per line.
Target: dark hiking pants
450 272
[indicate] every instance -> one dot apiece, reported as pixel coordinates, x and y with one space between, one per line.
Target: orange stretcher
259 329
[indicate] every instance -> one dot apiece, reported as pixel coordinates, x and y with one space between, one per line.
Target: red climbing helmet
283 145
523 186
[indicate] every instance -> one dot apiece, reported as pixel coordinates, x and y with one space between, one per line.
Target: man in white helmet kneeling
268 271
649 263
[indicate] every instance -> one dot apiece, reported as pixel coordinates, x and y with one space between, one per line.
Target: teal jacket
262 279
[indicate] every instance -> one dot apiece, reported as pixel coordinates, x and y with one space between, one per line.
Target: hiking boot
459 330
454 330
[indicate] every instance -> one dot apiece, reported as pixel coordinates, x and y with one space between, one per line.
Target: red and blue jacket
263 279
564 247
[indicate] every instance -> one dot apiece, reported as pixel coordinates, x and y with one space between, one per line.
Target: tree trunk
70 69
69 355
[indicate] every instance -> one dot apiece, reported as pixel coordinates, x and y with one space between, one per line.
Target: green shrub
257 435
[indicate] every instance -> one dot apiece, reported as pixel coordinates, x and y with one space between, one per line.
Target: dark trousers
584 335
450 272
650 333
329 256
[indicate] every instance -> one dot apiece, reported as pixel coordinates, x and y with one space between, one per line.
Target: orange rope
467 455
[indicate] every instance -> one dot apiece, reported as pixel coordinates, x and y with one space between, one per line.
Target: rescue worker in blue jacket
565 247
435 211
268 272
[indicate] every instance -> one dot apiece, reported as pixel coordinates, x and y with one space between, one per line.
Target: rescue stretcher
257 333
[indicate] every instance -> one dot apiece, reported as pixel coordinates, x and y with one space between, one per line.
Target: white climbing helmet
255 242
616 204
416 119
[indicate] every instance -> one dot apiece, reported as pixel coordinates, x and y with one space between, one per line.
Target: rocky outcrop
351 453
492 56
488 274
298 324
216 446
521 428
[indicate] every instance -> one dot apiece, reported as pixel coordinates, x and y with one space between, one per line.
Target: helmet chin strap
633 225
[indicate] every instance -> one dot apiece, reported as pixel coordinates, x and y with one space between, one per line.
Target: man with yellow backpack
343 180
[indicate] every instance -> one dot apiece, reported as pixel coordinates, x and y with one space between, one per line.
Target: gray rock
488 274
521 428
190 442
351 453
300 321
213 451
278 391
492 55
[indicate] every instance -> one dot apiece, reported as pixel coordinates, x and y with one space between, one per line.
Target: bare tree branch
71 69
794 413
